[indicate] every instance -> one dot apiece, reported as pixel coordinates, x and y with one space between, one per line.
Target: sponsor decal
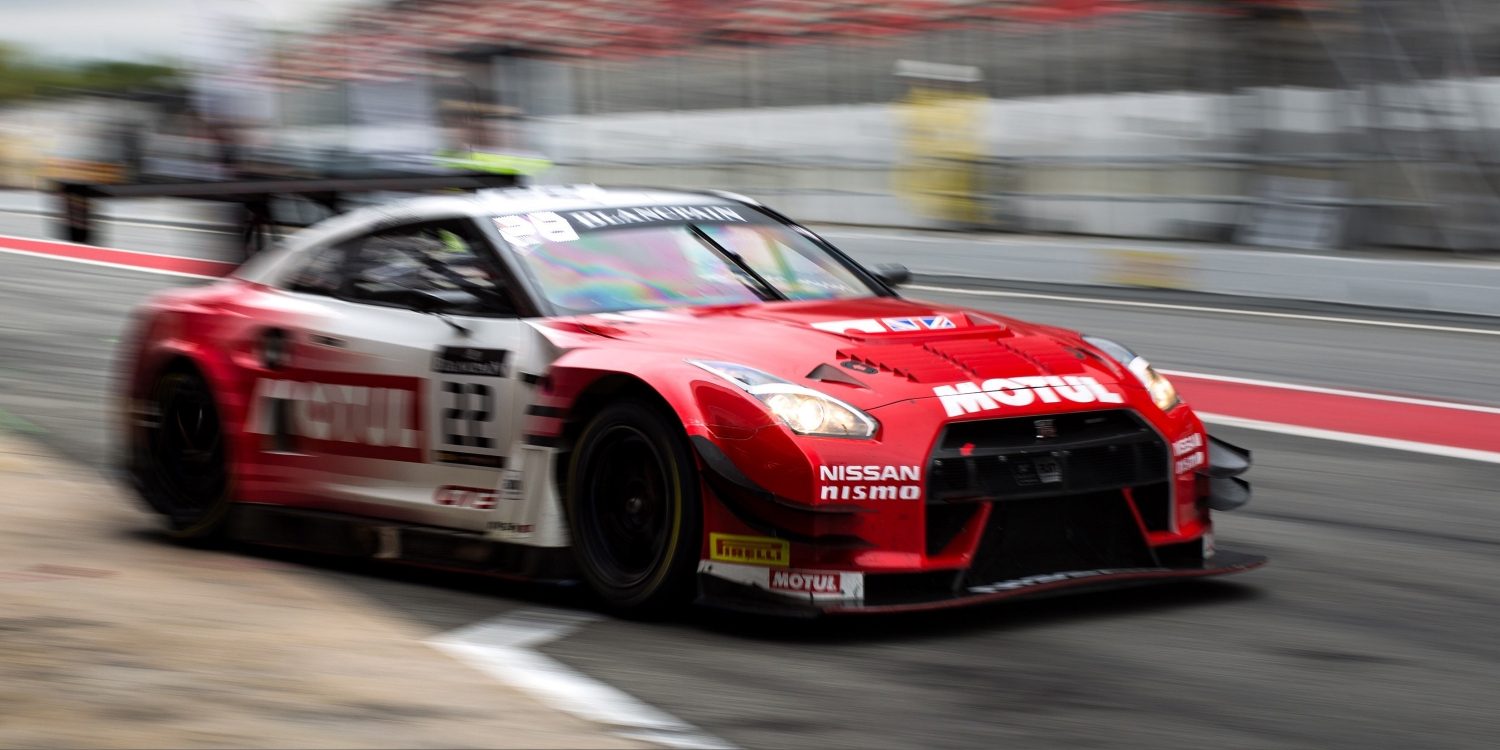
805 581
889 325
1040 470
871 482
514 528
525 232
466 360
925 323
614 217
998 393
1185 465
867 325
468 401
1037 580
351 414
754 550
477 498
1190 443
804 585
510 485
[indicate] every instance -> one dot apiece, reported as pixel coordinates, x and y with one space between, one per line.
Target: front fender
171 339
704 404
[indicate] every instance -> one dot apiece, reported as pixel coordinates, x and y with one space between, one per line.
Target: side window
435 261
323 274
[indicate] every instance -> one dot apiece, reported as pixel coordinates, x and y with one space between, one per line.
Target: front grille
945 523
1154 503
1005 459
1050 535
907 588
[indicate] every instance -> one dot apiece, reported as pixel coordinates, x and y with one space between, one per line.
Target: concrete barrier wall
1470 287
1167 165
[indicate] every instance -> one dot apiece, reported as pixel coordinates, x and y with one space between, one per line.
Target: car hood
868 352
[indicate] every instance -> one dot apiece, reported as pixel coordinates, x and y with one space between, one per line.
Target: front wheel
634 508
181 461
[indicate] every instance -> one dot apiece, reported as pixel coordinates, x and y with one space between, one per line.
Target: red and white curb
1419 425
130 260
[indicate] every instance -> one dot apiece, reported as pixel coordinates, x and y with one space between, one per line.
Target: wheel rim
630 504
187 449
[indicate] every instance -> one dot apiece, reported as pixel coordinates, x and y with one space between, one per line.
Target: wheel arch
596 394
603 404
167 356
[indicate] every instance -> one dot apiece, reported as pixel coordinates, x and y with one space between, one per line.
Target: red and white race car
667 395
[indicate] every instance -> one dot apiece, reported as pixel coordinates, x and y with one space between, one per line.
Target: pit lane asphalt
1373 627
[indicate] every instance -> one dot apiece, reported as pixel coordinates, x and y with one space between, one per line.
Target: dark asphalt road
1375 625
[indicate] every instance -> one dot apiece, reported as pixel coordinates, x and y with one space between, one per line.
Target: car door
403 393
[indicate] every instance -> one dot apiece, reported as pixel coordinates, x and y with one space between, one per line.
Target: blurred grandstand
1305 123
1311 123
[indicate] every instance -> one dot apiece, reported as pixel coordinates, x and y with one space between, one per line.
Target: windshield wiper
766 290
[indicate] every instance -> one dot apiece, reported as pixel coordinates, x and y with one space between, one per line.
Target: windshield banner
564 226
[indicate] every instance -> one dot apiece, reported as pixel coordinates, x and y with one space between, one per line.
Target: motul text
806 582
377 418
996 393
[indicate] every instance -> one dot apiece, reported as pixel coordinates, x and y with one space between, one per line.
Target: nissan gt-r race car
670 396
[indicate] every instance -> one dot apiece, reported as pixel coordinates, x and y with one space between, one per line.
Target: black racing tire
635 509
181 457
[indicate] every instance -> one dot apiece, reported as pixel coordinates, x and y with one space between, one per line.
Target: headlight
804 410
1163 394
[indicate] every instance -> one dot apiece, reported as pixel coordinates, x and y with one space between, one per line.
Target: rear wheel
181 460
633 508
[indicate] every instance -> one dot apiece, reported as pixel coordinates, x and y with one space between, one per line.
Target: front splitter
724 594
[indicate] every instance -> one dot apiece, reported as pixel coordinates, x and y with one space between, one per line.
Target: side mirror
892 274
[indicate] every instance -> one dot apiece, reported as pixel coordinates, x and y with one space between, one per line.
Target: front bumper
1031 543
722 593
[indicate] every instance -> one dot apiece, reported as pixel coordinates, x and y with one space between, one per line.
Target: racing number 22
466 417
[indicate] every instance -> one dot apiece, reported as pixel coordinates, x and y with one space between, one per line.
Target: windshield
665 256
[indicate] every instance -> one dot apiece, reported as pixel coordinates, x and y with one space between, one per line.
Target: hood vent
1048 355
911 361
983 358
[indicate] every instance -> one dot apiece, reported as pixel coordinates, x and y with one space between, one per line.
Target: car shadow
444 599
1015 614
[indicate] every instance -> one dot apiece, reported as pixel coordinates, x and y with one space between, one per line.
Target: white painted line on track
107 264
1431 449
1337 392
1204 308
504 648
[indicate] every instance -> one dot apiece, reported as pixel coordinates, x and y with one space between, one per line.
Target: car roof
578 197
517 200
480 204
